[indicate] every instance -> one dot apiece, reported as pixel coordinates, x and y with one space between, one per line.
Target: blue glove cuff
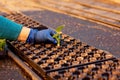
31 37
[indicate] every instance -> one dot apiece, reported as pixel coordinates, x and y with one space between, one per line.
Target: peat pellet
62 61
37 60
56 66
50 61
75 63
108 56
79 58
44 65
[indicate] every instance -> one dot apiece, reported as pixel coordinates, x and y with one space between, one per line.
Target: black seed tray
48 57
107 70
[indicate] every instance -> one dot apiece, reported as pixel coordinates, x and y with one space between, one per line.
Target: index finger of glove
52 32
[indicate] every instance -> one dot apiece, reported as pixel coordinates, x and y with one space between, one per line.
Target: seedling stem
58 33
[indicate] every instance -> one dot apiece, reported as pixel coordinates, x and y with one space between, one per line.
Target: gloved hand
37 36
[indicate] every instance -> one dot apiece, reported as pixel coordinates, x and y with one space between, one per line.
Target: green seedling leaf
59 28
57 35
2 44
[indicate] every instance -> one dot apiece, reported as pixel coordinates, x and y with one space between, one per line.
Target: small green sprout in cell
58 33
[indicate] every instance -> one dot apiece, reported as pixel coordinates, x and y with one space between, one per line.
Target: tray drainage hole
29 53
65 65
58 59
40 63
105 74
35 57
51 54
45 58
95 69
57 77
86 78
62 71
76 72
47 68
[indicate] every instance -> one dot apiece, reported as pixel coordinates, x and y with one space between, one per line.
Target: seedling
2 44
58 33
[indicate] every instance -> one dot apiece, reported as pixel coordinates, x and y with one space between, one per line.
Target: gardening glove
38 36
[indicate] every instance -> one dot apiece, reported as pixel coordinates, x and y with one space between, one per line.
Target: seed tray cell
107 70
